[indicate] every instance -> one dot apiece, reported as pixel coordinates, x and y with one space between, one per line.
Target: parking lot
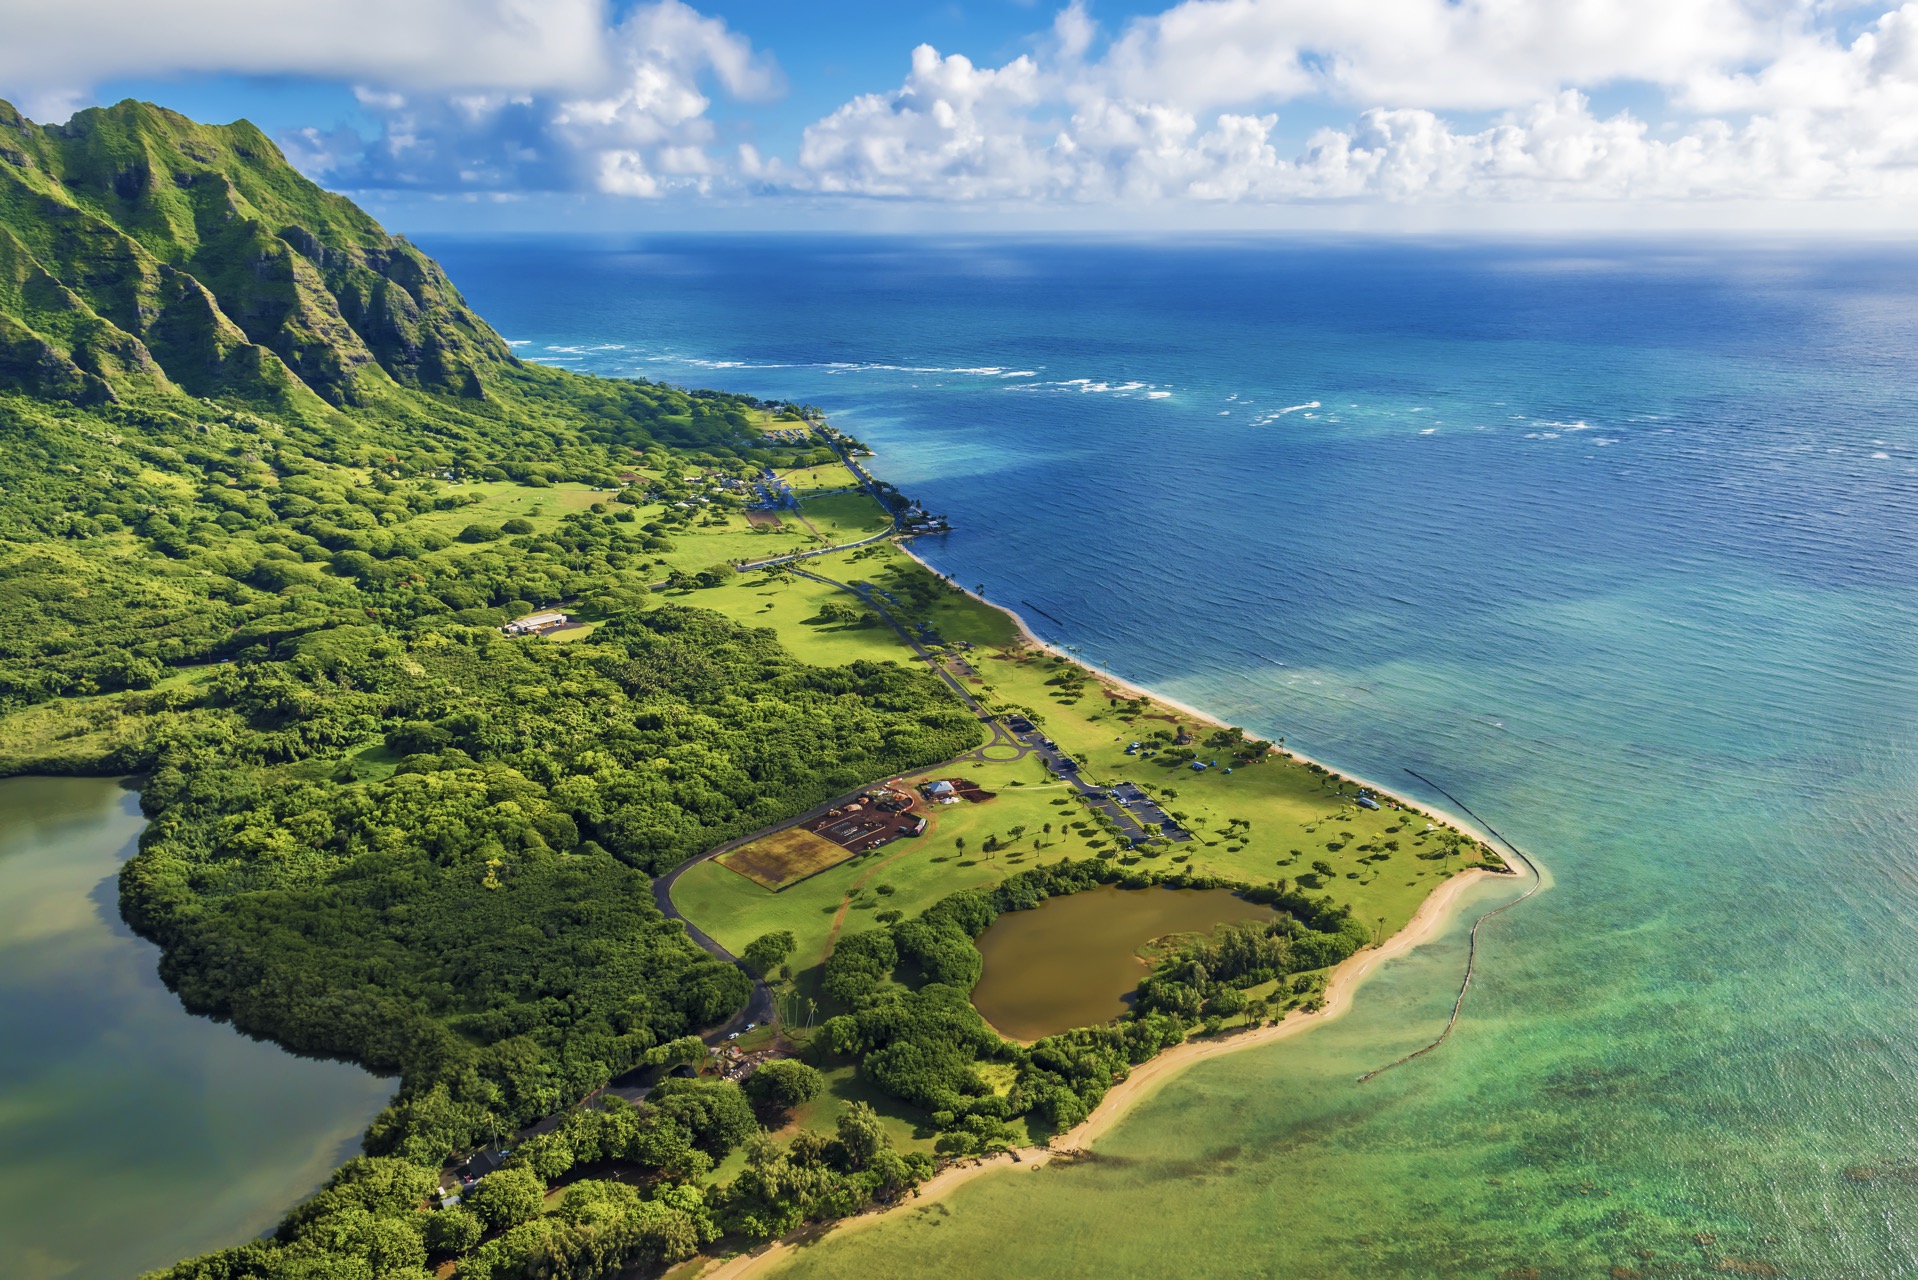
1139 819
1147 810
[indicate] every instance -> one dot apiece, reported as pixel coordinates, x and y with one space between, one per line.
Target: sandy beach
1431 919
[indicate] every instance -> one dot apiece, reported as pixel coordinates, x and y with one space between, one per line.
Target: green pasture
844 517
786 603
503 500
829 478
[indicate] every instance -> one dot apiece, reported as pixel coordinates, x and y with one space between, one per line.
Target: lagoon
136 1134
1073 960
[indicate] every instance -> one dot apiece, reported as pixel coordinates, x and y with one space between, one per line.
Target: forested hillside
240 426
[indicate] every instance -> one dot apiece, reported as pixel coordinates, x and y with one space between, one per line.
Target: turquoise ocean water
1616 542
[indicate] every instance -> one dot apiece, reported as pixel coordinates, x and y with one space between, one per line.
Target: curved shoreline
1462 822
1428 922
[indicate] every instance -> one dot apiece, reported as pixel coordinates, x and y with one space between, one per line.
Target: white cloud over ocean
1762 102
1413 102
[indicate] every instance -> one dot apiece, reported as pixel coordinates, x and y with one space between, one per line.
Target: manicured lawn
827 479
844 517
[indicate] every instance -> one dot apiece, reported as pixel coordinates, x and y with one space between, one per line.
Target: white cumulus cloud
51 53
637 128
1761 100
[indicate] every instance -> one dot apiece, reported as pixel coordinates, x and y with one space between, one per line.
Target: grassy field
845 517
702 547
1294 818
787 604
72 735
845 1087
503 500
831 478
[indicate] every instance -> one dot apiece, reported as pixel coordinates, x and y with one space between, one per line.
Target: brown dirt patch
764 519
784 858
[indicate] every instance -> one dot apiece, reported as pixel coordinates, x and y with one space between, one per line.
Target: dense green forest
239 426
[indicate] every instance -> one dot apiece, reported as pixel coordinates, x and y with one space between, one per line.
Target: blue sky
1412 114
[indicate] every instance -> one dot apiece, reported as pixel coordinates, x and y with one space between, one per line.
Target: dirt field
783 858
768 519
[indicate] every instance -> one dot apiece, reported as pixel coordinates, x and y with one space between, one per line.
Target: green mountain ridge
268 491
142 251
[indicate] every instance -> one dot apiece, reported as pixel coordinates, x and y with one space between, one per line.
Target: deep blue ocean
1616 541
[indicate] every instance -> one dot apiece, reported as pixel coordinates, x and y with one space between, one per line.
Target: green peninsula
432 664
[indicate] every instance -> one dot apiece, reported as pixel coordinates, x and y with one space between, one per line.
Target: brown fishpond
1073 960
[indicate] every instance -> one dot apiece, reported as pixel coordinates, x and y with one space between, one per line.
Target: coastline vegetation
269 491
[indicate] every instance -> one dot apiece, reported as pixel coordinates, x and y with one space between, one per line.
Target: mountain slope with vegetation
253 455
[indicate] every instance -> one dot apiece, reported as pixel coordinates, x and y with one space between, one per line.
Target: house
536 624
939 788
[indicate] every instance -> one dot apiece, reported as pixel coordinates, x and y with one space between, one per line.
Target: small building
536 624
939 788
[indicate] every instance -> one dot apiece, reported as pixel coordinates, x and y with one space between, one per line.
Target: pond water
1072 961
135 1133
